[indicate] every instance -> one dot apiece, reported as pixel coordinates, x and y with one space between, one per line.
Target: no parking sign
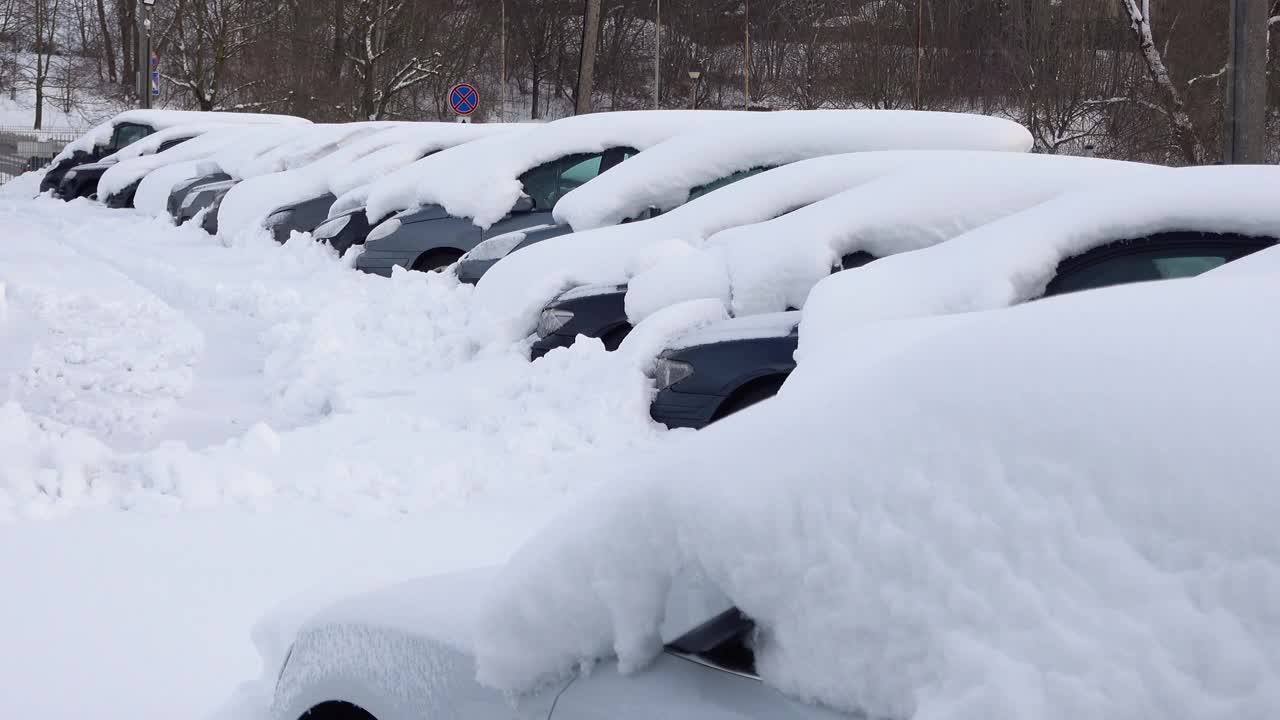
464 99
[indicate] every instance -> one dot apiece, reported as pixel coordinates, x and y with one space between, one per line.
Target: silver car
397 654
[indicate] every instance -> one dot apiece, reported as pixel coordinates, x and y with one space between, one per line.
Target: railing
24 149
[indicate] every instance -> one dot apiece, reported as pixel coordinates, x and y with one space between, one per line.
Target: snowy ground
193 433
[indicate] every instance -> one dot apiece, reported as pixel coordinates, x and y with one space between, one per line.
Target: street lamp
144 53
693 88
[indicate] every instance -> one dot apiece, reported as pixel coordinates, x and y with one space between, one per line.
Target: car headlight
386 229
70 175
330 228
279 217
668 372
552 320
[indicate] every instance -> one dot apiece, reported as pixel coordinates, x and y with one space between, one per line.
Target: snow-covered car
1058 510
446 204
131 126
403 654
695 163
82 180
305 146
699 232
119 184
1167 224
320 191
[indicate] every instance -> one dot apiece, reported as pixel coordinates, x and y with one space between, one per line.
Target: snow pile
164 119
1012 260
215 138
663 176
482 181
517 288
411 143
771 266
252 374
1078 548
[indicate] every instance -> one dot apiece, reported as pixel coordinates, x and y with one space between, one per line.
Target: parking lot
883 415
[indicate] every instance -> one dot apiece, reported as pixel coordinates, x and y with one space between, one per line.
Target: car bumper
684 410
544 345
470 271
381 262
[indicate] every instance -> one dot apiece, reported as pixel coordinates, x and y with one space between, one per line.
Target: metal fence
24 149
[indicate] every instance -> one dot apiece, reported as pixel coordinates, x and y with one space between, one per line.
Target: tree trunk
125 10
587 62
107 49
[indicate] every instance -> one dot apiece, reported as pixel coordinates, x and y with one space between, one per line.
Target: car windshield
128 134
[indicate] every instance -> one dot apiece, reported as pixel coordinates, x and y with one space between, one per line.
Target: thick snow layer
1012 260
1023 513
163 119
739 328
517 288
771 266
249 203
412 143
481 181
216 138
192 431
360 159
663 176
300 147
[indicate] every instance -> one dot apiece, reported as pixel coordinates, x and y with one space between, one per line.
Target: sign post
464 100
155 75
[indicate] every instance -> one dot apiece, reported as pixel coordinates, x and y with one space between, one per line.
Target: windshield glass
714 185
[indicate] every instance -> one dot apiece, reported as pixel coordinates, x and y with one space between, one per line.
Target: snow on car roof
772 266
992 518
301 146
1012 260
482 181
351 186
740 328
517 288
663 176
162 119
248 204
151 143
211 138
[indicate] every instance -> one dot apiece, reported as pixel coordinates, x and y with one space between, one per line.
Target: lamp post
693 88
144 53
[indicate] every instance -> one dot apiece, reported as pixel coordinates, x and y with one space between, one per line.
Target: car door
549 182
1165 256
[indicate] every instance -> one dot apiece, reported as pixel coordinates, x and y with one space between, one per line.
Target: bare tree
43 17
381 72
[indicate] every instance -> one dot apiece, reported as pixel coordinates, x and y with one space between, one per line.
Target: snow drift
1028 523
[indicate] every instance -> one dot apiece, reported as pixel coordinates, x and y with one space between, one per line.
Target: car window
127 134
171 143
580 172
540 183
725 181
1166 257
725 642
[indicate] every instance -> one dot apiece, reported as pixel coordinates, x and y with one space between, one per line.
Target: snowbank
412 142
163 119
663 176
1077 548
482 182
516 289
1012 260
771 266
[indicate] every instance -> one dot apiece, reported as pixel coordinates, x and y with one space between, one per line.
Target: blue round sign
464 98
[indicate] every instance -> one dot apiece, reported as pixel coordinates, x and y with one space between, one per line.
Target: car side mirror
523 205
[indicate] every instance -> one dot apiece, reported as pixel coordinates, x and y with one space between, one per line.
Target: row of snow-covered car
934 504
700 243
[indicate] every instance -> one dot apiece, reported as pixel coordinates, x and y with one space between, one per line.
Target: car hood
752 327
584 291
443 608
